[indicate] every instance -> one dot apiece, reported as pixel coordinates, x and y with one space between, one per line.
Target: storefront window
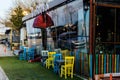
34 37
71 31
70 21
107 30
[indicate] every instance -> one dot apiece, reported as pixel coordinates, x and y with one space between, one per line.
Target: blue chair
21 47
31 53
22 55
56 65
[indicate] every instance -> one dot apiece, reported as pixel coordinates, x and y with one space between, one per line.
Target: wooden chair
65 53
56 65
31 53
67 69
44 53
22 55
44 56
49 61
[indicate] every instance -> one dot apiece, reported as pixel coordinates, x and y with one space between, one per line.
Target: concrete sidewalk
4 51
3 76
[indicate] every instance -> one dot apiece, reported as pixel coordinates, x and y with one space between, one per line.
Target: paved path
3 75
4 51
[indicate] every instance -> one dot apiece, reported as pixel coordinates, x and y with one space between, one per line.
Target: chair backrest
57 57
69 61
21 47
57 50
24 50
50 54
65 53
31 48
44 53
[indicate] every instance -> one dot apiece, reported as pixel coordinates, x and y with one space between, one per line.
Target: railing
104 63
107 63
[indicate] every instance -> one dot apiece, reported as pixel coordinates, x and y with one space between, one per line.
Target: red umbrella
43 21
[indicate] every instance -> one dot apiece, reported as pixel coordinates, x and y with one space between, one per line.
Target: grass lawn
22 70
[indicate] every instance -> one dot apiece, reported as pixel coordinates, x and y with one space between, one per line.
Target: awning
43 21
7 31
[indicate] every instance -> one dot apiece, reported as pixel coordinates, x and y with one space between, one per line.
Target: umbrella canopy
43 21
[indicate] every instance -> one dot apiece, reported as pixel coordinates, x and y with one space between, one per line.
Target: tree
16 18
15 14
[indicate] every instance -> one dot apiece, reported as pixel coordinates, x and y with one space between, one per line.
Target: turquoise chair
21 47
56 65
22 55
31 53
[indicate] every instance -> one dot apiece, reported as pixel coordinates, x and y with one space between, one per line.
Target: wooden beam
107 5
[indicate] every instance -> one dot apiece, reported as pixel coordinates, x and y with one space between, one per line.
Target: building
97 45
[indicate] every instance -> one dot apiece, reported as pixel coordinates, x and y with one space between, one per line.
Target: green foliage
16 18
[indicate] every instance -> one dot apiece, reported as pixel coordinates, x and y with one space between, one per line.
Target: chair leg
65 73
48 66
72 73
46 63
61 72
68 71
53 64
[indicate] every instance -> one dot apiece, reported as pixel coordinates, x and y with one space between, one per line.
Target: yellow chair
67 69
49 61
65 53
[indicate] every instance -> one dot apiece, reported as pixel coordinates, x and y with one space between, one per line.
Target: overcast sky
4 6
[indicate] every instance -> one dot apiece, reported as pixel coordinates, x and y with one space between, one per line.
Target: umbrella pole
44 38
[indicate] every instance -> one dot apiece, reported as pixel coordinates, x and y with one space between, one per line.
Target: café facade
82 26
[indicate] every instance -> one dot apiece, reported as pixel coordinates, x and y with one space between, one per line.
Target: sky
4 6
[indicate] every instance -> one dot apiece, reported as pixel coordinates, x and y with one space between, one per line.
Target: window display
107 31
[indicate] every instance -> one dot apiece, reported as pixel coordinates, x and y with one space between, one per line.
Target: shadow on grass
22 70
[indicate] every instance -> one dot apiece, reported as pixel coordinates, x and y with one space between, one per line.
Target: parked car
69 40
2 41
